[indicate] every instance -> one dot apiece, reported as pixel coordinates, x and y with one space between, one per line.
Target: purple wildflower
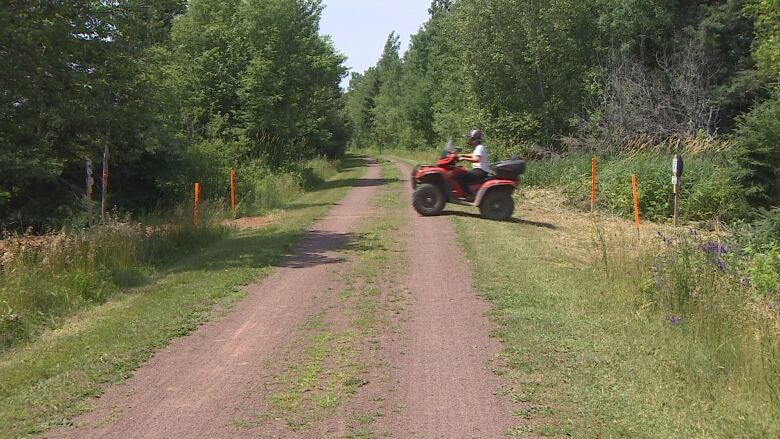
720 263
674 320
667 240
714 248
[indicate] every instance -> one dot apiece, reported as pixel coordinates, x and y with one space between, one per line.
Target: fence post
677 169
90 182
593 185
233 192
635 189
196 208
104 195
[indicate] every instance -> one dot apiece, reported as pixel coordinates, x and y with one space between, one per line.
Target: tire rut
443 383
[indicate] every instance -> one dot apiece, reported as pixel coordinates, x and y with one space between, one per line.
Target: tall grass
720 305
44 279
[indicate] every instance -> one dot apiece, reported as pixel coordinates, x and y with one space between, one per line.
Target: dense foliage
186 90
605 76
177 91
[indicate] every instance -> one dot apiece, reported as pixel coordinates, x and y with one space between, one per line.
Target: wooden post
196 206
233 192
635 189
104 196
90 183
593 185
677 168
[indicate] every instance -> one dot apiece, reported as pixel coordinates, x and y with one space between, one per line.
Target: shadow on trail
357 182
313 248
511 220
289 249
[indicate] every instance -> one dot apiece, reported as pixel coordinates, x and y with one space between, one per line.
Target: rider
479 163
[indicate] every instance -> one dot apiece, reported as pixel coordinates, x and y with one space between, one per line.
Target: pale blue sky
359 28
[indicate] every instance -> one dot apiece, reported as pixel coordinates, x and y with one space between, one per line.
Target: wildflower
674 320
720 263
745 282
714 248
667 240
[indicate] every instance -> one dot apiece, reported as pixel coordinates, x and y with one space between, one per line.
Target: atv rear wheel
428 200
497 205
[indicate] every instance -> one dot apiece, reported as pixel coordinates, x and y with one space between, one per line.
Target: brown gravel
201 384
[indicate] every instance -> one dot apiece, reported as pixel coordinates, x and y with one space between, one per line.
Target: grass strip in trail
336 350
46 382
589 356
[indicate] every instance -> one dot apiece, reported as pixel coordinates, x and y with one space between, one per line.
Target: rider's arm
470 158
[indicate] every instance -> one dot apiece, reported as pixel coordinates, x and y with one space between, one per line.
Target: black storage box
510 169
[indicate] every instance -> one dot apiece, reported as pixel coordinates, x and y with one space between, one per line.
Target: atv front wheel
497 205
428 200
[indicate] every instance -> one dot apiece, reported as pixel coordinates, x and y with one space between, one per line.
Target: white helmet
474 136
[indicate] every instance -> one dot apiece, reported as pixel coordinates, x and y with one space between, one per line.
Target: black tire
498 205
428 200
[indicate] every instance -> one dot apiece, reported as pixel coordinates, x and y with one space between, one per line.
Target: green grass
593 355
47 381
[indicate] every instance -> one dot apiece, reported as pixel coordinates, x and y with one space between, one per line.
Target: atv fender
434 177
494 185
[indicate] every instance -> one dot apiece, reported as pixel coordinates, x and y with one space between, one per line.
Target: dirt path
444 385
201 384
435 378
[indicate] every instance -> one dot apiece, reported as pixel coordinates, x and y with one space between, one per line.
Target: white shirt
482 164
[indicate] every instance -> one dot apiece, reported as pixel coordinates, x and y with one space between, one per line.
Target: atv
436 185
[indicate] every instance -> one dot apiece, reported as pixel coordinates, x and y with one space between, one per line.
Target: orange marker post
635 189
233 191
593 185
196 208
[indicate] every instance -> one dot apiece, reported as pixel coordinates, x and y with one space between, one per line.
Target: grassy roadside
590 355
335 352
46 382
608 335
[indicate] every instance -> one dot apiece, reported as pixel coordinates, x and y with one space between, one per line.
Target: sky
359 28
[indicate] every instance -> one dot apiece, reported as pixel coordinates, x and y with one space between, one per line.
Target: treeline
178 90
548 77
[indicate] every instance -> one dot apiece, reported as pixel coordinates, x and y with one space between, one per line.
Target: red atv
435 185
